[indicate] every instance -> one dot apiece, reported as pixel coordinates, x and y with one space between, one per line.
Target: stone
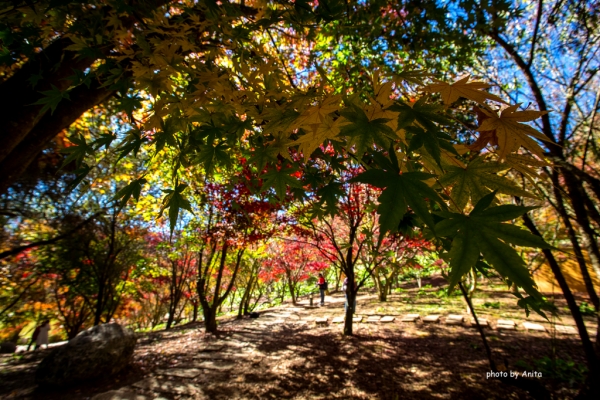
505 324
387 319
357 319
338 320
211 356
218 365
180 372
373 318
410 317
120 395
170 387
321 321
533 327
566 330
213 347
431 318
96 352
454 319
8 347
482 322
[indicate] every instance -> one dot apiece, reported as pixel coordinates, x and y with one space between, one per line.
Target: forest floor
283 354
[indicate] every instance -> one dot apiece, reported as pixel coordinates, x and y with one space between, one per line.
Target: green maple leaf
364 132
133 189
51 99
477 180
80 174
420 114
400 191
211 155
133 142
483 232
78 152
329 195
261 156
279 180
105 140
175 201
427 138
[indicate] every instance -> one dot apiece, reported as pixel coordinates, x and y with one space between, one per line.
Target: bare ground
283 354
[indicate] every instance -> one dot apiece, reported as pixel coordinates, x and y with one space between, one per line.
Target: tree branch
20 249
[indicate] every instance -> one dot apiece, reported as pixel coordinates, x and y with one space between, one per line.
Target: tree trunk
195 313
210 319
348 323
99 304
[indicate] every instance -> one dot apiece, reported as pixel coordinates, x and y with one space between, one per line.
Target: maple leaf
327 130
133 189
475 181
511 133
329 194
522 162
51 99
78 152
261 156
485 137
419 113
415 76
175 201
383 93
210 155
451 92
279 180
482 232
375 111
318 114
400 191
363 132
280 146
280 119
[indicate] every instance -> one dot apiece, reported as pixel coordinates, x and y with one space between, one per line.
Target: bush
561 370
587 309
494 305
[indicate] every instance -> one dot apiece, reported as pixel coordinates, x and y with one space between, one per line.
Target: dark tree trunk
195 314
210 319
99 304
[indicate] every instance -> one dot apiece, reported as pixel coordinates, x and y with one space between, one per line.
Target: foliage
217 135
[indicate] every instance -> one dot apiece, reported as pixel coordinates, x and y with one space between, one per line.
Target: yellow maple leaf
375 111
451 92
383 93
317 114
523 164
327 130
511 132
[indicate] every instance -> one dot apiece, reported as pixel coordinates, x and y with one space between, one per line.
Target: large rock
97 352
8 347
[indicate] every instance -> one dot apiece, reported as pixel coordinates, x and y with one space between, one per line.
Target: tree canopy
228 122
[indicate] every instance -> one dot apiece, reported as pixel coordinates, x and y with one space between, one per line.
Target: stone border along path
219 359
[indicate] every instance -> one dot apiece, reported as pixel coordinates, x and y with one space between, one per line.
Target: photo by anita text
513 374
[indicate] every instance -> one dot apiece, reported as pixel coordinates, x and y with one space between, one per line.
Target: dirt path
283 354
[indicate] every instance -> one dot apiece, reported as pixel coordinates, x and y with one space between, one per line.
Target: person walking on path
322 288
42 337
34 337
